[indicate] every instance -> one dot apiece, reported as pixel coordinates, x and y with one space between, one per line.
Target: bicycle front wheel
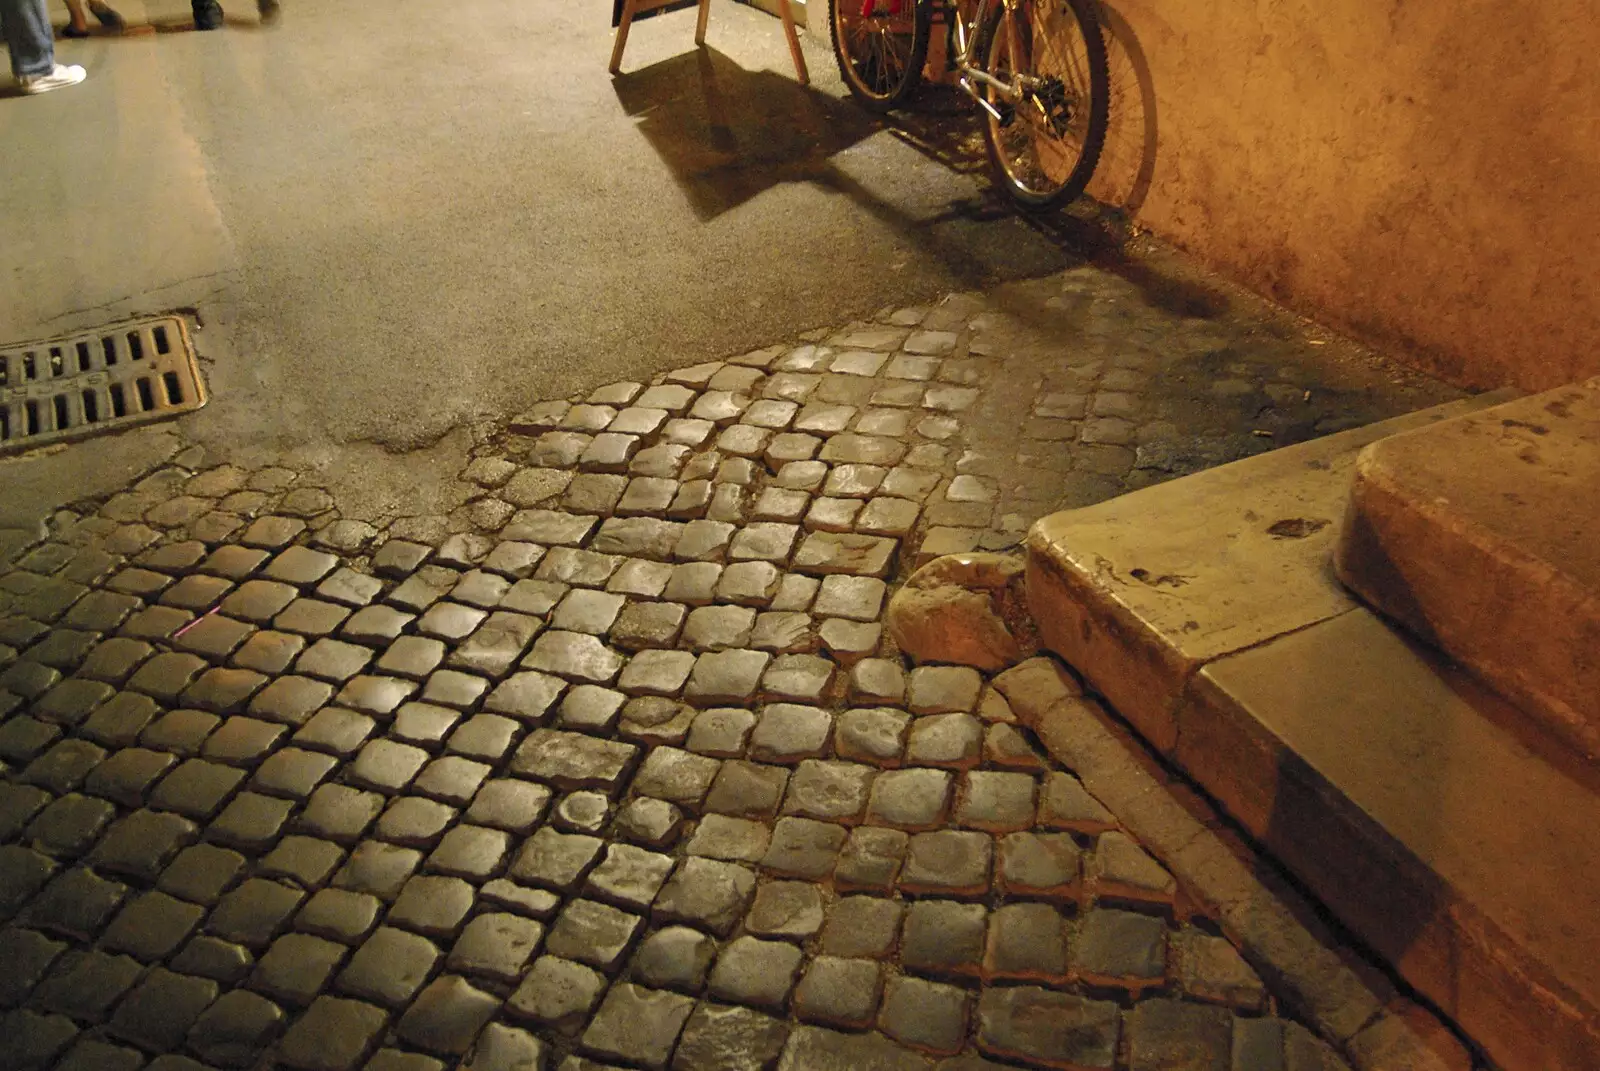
1047 140
881 46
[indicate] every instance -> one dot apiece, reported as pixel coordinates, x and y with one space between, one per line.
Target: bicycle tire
1066 174
863 45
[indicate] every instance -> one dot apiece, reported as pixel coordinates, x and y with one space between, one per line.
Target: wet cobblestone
615 766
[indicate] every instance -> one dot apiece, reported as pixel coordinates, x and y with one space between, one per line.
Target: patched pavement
612 764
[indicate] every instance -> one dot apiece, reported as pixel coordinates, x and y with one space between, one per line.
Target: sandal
107 16
70 30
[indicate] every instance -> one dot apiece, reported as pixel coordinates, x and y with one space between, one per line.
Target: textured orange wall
1422 173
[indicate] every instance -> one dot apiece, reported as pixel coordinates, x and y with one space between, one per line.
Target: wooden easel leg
794 43
628 8
700 22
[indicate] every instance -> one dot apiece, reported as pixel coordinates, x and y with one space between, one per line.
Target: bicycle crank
1003 112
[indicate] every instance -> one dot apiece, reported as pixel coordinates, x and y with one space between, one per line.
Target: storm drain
83 384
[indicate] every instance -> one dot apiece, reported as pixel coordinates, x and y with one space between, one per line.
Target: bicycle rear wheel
1044 147
881 46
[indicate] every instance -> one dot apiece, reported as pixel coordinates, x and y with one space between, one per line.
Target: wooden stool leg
700 22
794 43
628 8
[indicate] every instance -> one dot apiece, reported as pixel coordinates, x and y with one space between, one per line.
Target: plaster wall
1424 174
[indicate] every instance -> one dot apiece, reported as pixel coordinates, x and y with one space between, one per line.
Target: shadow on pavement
729 134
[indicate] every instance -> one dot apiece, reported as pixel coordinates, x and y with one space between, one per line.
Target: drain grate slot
96 381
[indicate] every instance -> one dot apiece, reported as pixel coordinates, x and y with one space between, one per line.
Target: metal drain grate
78 385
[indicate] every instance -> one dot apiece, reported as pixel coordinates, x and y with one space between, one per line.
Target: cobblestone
717 1037
910 799
447 1016
314 618
674 957
296 967
931 1016
85 985
433 906
333 1035
941 689
707 893
1120 868
1054 1028
582 812
1027 941
235 1029
638 1025
69 825
786 909
835 791
339 812
504 1048
1120 948
941 937
803 848
200 873
389 968
332 729
209 957
339 915
511 805
788 733
720 837
629 876
152 927
755 972
570 760
298 767
138 844
254 912
953 740
556 860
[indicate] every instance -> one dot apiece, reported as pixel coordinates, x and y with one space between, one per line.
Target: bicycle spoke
1048 142
880 54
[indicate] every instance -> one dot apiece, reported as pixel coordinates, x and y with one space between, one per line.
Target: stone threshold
1458 846
1490 519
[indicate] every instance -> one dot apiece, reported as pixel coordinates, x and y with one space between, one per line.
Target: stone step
1413 802
1478 535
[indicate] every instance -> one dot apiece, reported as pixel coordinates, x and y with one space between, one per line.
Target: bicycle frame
972 73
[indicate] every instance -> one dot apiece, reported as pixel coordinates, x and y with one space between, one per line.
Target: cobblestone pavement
613 765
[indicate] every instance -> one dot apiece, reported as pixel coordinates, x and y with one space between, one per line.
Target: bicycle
1036 68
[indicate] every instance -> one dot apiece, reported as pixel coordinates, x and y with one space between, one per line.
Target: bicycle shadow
1128 162
729 134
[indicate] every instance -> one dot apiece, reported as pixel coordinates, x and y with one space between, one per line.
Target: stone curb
1367 1029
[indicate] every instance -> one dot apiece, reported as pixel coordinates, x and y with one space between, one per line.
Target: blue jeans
29 36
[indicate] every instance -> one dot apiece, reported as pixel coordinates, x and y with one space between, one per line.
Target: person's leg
77 19
29 37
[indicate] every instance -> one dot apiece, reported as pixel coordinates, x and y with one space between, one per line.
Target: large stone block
1141 591
1429 816
964 608
1478 535
1391 784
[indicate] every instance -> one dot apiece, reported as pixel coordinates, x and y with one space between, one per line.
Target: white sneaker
59 77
